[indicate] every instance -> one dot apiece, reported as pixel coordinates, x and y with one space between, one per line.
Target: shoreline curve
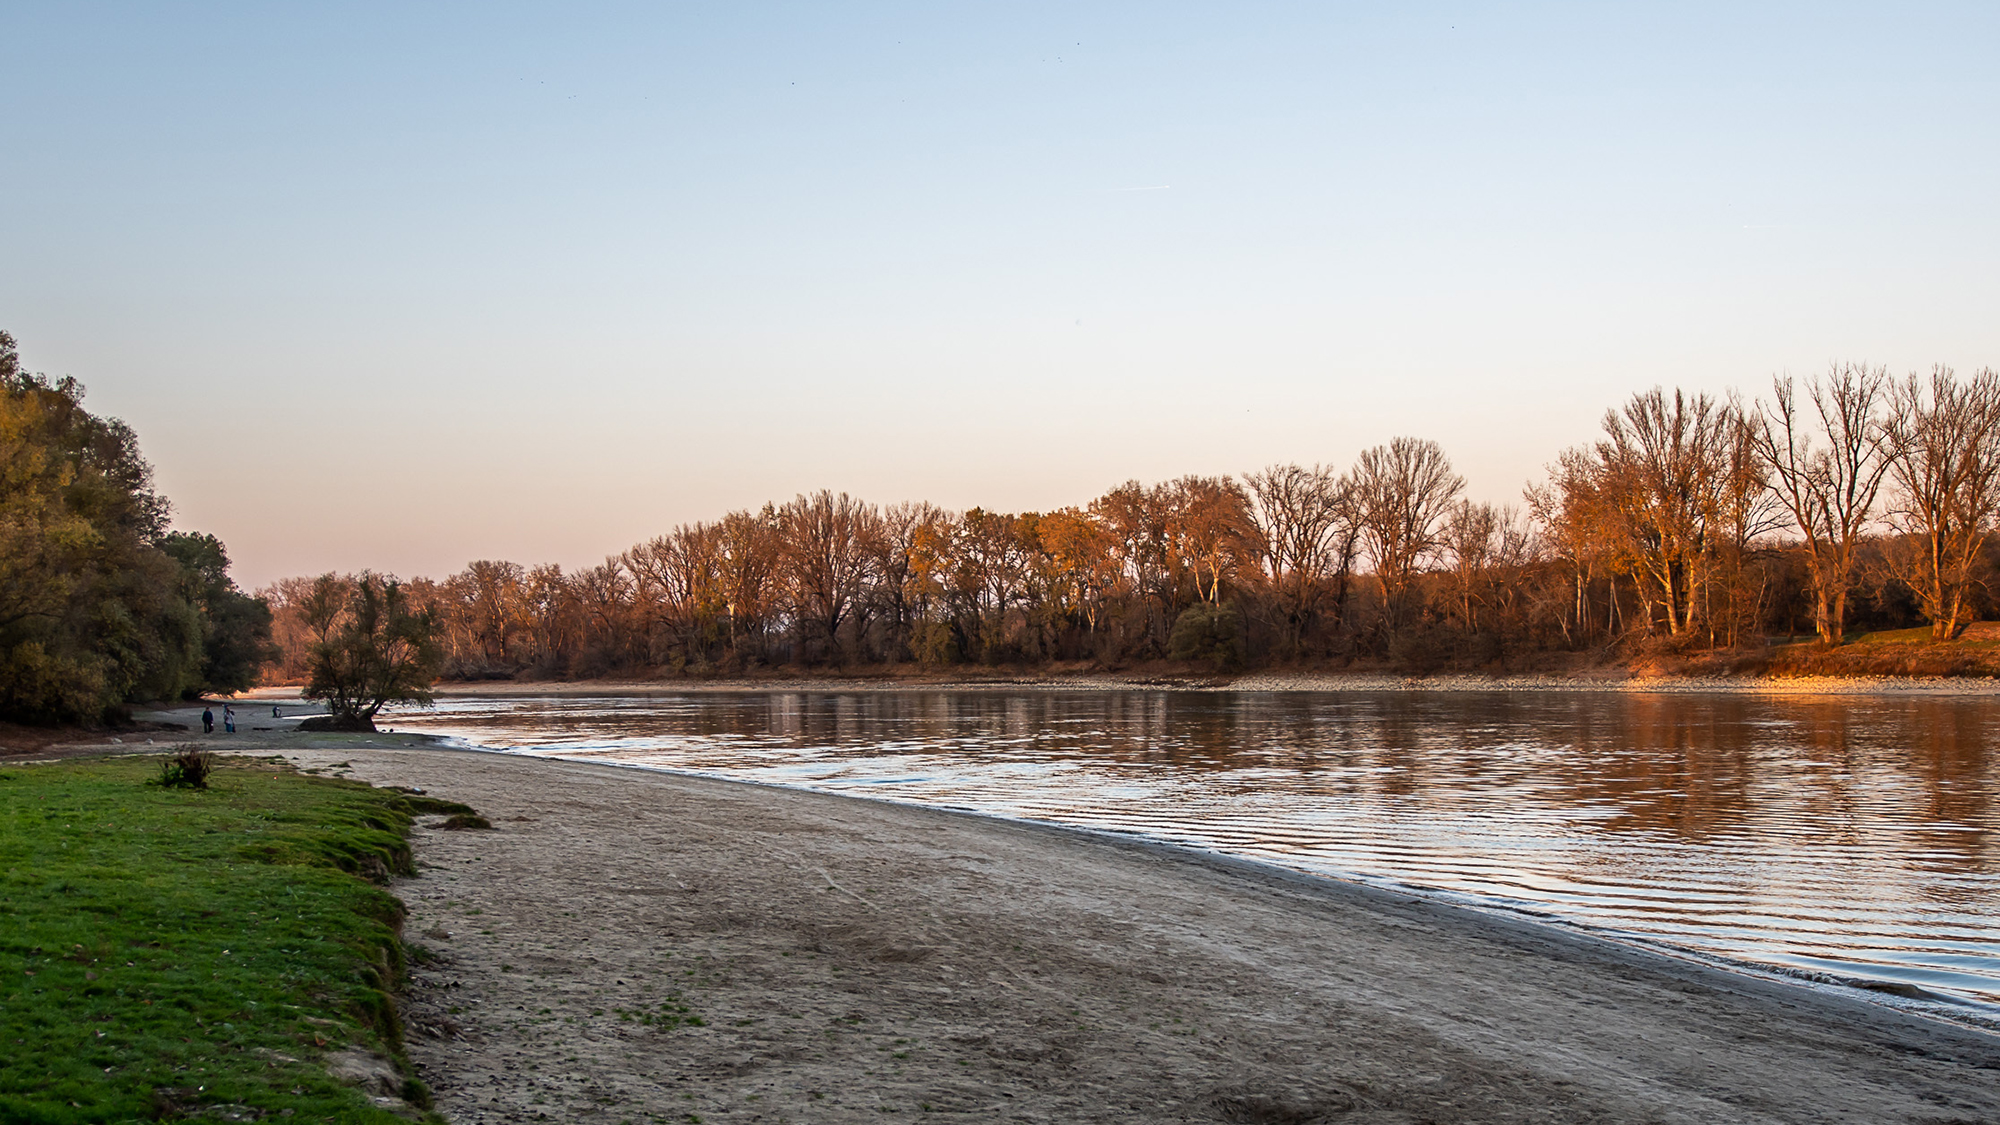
1085 956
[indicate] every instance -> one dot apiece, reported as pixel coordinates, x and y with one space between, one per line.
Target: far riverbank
1865 686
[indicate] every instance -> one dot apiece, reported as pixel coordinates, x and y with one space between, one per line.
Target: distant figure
274 712
207 721
228 719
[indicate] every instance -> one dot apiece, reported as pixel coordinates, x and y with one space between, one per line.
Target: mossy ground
186 953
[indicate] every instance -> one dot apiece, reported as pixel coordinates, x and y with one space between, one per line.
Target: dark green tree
235 627
1211 632
369 648
91 614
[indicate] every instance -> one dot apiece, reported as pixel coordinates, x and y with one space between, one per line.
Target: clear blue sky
405 286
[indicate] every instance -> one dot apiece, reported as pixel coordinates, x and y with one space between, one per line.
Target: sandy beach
634 946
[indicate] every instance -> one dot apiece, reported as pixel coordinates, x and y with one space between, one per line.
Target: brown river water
1843 839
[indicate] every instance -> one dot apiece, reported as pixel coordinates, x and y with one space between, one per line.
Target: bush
1212 633
934 644
1419 649
187 769
337 723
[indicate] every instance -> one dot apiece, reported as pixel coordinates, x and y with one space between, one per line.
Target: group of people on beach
228 718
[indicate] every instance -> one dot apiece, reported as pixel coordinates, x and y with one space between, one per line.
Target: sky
408 285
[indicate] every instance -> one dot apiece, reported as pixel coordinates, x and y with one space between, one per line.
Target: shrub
1213 633
188 768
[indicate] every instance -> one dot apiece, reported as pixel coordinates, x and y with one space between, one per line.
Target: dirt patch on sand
630 946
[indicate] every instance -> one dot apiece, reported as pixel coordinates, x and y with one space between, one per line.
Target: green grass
172 953
1891 652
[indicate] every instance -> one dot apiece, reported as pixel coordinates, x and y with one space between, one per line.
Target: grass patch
671 1013
1894 652
195 953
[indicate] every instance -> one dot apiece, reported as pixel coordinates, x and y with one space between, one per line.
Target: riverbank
198 952
630 944
1258 682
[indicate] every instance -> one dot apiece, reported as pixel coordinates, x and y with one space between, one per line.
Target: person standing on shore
207 721
228 719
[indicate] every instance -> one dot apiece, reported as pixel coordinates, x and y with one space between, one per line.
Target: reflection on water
1853 837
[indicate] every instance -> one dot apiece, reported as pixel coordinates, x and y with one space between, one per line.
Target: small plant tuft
466 820
188 768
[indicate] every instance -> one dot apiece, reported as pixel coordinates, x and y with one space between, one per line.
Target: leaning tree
369 648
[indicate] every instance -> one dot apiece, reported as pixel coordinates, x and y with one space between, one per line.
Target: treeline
1692 523
101 605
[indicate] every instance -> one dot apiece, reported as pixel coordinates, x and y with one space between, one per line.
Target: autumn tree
895 597
1212 532
1747 513
1082 571
935 634
990 581
1491 569
605 630
1657 489
1945 467
1137 520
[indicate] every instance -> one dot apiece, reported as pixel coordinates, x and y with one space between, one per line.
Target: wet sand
852 960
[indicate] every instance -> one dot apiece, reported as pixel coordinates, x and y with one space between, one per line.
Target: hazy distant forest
1691 535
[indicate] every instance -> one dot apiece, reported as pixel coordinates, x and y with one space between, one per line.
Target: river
1847 838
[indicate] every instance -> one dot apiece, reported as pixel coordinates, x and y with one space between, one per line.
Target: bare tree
1402 493
676 589
1471 534
1310 536
550 616
1946 471
894 596
1566 508
1514 553
487 597
747 564
1828 492
604 597
1661 480
1746 513
825 545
